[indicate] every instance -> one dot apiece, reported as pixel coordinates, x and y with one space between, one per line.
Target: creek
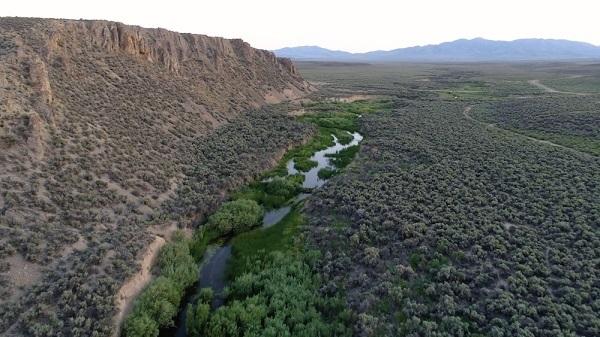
213 266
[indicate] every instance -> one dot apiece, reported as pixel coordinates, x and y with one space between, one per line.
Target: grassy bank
257 244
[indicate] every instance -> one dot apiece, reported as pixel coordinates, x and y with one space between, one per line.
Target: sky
349 25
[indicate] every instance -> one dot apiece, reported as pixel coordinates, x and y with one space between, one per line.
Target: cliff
98 121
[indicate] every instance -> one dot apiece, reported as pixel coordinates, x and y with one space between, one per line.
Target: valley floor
464 201
473 207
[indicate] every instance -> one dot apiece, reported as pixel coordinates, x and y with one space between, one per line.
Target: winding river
214 263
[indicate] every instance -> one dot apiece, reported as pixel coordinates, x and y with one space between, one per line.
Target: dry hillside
101 125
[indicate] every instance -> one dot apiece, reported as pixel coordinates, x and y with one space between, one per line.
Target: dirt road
546 88
541 141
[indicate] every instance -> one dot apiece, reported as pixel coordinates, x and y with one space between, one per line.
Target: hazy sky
348 25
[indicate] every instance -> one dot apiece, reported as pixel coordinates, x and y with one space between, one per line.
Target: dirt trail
546 88
541 141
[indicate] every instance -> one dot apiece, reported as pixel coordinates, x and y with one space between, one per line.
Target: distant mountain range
460 50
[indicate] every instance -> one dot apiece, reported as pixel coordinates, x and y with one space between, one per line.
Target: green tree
160 301
141 326
236 216
196 319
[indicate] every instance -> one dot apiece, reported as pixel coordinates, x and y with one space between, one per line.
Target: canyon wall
98 122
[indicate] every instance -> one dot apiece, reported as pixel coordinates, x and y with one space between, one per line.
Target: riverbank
280 188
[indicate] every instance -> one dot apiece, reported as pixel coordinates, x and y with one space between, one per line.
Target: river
214 263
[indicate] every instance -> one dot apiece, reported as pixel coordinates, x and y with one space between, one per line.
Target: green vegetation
274 192
321 140
332 118
159 302
567 120
588 83
285 187
448 223
200 240
199 313
273 290
344 157
458 228
235 217
254 245
340 160
249 249
340 117
358 107
587 144
304 164
326 173
344 121
279 296
89 207
443 227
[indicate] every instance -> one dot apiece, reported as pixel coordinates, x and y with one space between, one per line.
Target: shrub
344 157
236 217
141 326
278 296
176 262
159 302
326 173
285 187
304 164
196 318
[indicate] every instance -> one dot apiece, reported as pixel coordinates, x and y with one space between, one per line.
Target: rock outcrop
168 48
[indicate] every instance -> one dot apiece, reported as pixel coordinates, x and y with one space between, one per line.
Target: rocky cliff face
167 48
97 120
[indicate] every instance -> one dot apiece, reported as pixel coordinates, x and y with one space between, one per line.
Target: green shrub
205 295
343 136
337 123
344 157
304 164
141 326
236 217
326 173
159 302
176 262
196 318
284 186
278 296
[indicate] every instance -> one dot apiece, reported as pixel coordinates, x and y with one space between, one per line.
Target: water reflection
311 177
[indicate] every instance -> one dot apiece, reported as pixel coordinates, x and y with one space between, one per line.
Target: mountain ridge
477 49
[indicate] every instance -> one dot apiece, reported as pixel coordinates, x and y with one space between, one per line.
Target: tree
196 318
236 216
141 326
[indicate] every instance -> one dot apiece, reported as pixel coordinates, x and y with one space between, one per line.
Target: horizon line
435 44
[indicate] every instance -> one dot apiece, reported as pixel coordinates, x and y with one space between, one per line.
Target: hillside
460 50
101 127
